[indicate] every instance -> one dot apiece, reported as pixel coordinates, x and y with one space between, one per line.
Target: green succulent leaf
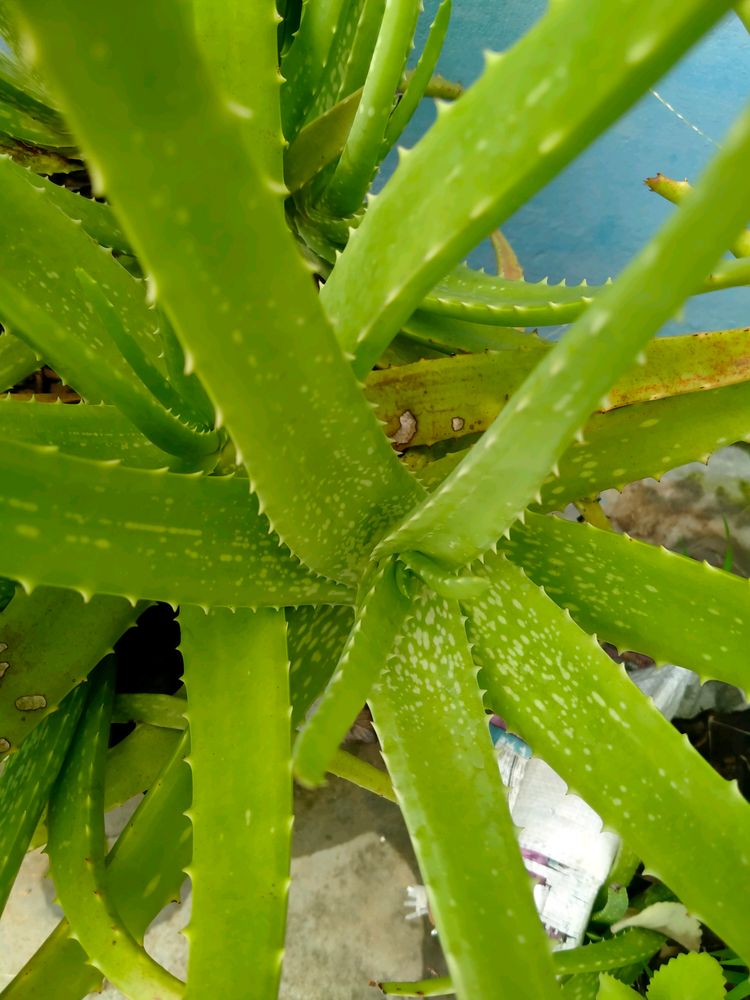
17 87
148 372
100 433
160 713
688 977
677 191
50 641
133 765
77 848
315 640
450 397
305 61
364 144
448 335
419 80
480 500
26 782
95 218
490 171
317 459
319 143
432 728
343 37
42 251
224 31
17 360
630 443
476 297
17 123
165 711
631 946
359 772
584 986
555 686
236 675
169 537
363 46
141 876
187 383
380 615
640 596
648 439
635 945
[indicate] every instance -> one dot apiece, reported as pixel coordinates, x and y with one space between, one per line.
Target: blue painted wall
592 218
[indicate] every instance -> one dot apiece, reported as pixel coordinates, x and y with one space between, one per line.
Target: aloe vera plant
330 533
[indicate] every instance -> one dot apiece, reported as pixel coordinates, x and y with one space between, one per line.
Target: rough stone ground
352 862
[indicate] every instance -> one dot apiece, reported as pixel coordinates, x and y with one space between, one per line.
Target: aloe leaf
160 712
420 78
648 439
496 301
319 143
677 191
439 986
18 88
452 397
19 124
491 172
95 218
451 335
361 154
17 360
26 782
283 388
134 353
640 596
163 710
343 36
379 617
163 536
41 161
689 977
187 383
635 945
581 987
360 58
40 298
224 31
457 522
95 432
506 259
359 772
133 766
631 946
236 675
305 61
623 445
142 877
77 848
555 686
315 638
49 642
432 728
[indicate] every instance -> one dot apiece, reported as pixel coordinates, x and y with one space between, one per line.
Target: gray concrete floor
351 864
